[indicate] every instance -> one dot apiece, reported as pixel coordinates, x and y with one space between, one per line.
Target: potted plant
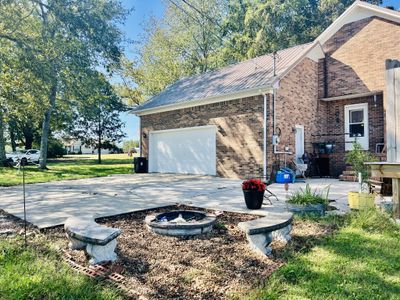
357 158
253 191
308 201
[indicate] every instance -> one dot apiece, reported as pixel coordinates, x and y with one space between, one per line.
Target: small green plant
357 157
309 196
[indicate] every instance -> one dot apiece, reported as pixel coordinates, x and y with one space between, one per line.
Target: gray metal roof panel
249 74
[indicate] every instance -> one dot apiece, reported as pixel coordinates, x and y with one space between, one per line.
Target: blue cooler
283 177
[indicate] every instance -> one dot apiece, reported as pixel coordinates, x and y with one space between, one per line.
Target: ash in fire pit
181 223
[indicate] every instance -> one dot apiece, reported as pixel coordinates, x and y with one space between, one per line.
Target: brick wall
356 56
336 127
297 104
239 135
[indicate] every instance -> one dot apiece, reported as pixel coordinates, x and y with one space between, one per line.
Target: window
356 123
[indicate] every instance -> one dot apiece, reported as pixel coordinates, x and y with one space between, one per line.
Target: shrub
357 157
309 196
55 149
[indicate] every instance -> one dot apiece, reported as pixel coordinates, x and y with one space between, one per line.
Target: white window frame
364 141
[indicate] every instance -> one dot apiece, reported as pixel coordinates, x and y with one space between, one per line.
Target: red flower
254 185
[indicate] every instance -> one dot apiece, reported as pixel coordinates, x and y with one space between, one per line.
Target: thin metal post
22 163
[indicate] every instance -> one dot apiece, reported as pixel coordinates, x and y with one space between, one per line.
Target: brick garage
239 132
313 84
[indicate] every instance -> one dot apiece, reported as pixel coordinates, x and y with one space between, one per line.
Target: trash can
140 165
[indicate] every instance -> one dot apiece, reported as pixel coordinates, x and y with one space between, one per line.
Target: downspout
140 136
265 138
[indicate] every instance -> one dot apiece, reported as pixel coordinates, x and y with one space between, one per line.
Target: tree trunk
28 136
2 141
99 150
11 129
46 126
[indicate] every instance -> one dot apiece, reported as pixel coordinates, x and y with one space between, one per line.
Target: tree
127 145
97 119
184 42
62 42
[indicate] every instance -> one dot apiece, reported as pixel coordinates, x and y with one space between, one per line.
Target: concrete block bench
98 241
261 232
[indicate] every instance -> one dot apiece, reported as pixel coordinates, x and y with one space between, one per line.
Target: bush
55 149
357 157
308 196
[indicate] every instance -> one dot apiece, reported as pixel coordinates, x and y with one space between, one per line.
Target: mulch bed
216 265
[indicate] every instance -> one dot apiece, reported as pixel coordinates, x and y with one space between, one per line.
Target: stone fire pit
180 223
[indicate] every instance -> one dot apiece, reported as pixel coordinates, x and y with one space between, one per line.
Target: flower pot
253 199
361 200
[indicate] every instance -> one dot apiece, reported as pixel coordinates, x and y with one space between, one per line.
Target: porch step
351 178
349 173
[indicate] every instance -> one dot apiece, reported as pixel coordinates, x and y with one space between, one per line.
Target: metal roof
246 75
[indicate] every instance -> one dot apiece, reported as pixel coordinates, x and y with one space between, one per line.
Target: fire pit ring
181 223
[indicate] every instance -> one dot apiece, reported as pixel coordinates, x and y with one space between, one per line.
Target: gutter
198 102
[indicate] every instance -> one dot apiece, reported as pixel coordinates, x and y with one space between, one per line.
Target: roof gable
254 76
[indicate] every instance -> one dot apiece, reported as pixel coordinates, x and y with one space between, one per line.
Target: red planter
253 199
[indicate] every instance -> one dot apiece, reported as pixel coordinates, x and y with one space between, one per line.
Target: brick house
242 120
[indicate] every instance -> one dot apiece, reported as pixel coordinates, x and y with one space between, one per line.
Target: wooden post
392 108
396 198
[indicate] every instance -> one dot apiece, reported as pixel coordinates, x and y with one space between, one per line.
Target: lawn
360 261
70 167
38 273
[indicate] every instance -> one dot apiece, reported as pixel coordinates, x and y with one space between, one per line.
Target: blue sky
133 28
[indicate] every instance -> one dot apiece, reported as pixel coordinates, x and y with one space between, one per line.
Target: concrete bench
261 232
98 241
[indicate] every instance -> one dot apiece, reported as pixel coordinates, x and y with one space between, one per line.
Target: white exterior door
356 125
299 140
187 150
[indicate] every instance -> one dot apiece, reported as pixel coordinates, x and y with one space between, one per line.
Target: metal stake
22 163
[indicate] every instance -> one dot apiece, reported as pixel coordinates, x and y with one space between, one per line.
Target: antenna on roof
274 57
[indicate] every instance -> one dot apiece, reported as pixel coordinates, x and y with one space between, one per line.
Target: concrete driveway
50 204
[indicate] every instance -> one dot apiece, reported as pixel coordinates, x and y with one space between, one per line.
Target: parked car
32 155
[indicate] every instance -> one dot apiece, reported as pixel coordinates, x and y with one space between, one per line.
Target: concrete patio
50 204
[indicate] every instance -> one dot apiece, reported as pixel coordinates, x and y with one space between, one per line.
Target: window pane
356 130
356 116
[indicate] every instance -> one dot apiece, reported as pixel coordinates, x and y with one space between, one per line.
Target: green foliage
374 221
308 196
354 263
130 144
58 44
97 118
41 274
357 157
55 149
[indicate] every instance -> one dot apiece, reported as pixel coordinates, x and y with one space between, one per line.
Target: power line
274 54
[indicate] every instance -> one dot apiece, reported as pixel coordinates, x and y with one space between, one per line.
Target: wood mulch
217 265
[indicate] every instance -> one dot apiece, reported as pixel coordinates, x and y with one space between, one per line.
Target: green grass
33 274
70 167
309 196
360 261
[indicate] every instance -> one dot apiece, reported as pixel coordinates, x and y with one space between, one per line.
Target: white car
32 155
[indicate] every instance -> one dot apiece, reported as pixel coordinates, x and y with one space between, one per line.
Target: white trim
365 139
221 98
352 96
265 138
183 129
357 11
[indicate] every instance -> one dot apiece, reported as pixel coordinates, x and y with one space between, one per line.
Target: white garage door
187 150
